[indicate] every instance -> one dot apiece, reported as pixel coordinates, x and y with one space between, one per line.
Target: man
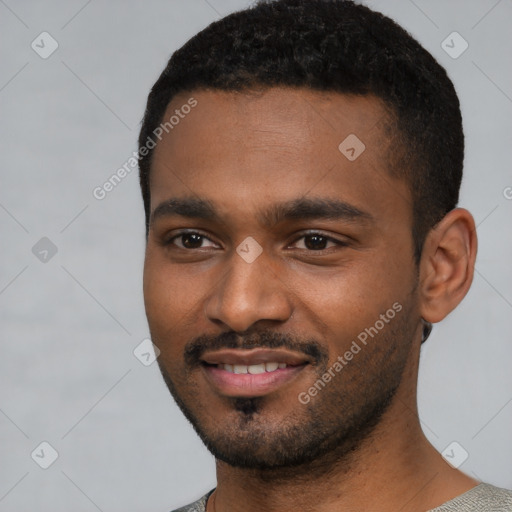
300 164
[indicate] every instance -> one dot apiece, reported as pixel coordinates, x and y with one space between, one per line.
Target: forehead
277 144
286 113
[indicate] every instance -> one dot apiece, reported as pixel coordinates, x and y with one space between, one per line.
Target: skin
244 152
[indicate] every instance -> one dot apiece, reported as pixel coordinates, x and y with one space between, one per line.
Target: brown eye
317 242
189 240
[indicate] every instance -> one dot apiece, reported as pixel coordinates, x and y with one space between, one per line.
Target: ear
447 264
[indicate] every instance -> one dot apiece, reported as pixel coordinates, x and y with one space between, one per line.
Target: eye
318 242
190 240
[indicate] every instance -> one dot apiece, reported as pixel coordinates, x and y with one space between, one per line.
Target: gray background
69 325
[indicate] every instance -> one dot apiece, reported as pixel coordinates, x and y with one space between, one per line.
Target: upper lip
254 356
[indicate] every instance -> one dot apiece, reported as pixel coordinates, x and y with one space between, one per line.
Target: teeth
270 367
253 369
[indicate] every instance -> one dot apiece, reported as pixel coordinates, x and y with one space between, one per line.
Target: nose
249 293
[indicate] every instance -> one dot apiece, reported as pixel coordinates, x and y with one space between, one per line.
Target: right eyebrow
185 207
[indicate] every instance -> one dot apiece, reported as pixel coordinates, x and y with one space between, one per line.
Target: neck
394 468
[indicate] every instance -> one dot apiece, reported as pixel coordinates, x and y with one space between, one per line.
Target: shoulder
197 506
482 498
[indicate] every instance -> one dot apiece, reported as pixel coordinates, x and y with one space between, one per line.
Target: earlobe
447 264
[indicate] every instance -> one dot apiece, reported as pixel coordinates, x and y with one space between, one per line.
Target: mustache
195 349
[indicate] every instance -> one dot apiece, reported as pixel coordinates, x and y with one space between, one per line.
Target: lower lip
248 385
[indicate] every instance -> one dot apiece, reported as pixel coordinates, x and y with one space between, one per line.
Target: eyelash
338 243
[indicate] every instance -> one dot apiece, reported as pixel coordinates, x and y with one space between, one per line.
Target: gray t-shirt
482 498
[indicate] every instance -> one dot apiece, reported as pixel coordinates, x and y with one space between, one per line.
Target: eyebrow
295 209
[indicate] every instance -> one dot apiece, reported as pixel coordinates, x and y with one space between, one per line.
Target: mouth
252 373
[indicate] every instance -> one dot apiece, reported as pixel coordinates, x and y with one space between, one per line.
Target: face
279 279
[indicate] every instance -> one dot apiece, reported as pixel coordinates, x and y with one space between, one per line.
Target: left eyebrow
311 209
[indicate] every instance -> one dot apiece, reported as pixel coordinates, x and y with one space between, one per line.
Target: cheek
351 297
174 301
164 294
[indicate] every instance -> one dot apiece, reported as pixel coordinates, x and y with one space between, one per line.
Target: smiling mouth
253 369
251 373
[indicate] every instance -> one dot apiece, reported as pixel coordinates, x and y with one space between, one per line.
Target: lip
248 385
254 356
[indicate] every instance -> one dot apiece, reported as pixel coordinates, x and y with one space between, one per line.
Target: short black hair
333 46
